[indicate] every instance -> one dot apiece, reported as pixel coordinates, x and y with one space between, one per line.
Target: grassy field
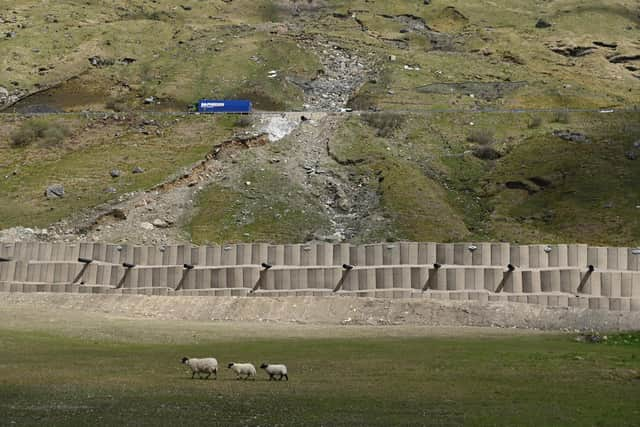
532 379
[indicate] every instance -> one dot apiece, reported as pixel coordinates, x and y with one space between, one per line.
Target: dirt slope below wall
65 310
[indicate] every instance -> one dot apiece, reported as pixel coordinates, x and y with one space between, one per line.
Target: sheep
243 369
274 370
199 366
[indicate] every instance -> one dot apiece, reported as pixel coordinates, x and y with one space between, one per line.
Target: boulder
55 191
115 173
572 136
4 96
160 223
98 61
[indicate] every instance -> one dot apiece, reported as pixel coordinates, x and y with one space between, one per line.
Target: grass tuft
39 130
535 123
481 136
385 123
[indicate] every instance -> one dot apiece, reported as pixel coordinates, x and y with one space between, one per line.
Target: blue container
224 106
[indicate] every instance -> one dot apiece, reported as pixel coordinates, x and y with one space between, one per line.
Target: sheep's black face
230 365
185 359
264 366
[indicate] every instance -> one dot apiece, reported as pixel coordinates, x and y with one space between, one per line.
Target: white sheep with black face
246 369
207 366
274 371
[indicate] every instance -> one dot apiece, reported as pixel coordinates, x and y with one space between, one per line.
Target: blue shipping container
224 106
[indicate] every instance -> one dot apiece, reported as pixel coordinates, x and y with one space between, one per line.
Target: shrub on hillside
535 123
561 117
116 105
481 136
242 122
385 123
50 133
361 102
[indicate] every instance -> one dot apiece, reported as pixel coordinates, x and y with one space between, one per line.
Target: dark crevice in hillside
618 59
540 181
361 24
519 185
573 51
611 45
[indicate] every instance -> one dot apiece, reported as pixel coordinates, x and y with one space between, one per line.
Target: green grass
178 56
83 162
265 207
182 55
528 380
585 178
429 186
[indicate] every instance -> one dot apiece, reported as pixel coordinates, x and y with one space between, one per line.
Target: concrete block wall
544 274
324 254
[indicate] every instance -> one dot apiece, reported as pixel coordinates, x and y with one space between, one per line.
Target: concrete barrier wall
555 275
324 254
7 250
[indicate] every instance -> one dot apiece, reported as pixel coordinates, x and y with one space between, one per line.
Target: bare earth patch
182 319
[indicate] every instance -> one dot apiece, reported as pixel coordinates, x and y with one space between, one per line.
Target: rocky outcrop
7 98
55 191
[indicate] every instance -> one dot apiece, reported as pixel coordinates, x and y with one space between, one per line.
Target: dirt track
262 317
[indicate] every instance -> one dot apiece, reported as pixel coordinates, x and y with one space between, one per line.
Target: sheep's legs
208 375
193 375
286 376
271 377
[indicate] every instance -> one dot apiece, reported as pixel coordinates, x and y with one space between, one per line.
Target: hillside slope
419 161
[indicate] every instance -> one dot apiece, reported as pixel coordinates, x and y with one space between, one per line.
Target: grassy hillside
422 174
82 161
435 183
128 51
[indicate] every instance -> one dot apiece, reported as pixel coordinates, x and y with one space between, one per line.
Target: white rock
160 223
146 226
